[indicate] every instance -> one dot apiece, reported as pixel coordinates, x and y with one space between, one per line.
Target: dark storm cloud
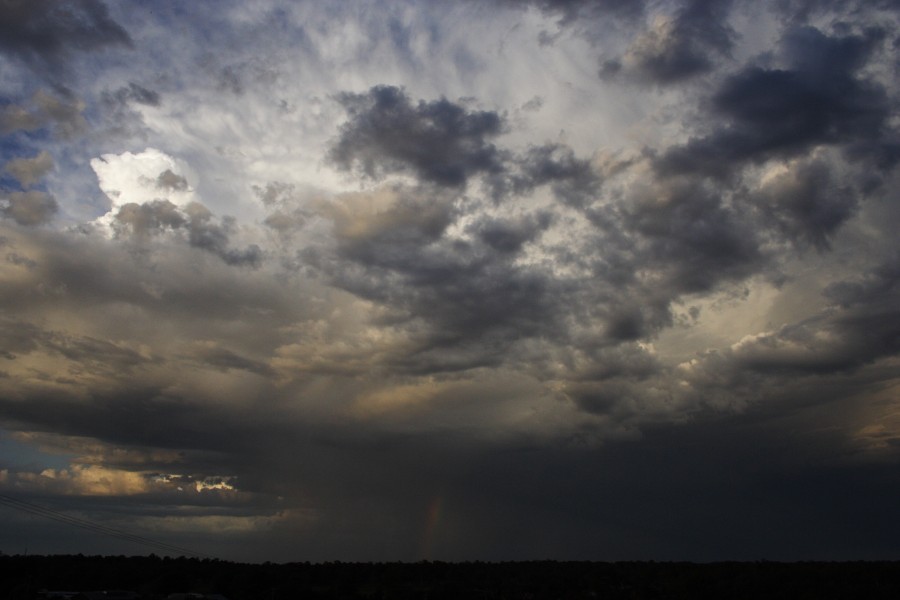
132 415
44 33
572 179
808 203
439 141
498 357
29 208
679 47
474 299
818 98
480 303
690 232
682 40
509 235
654 243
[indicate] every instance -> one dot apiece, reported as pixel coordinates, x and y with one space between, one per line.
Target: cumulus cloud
142 177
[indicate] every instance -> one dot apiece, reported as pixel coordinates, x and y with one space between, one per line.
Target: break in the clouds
506 280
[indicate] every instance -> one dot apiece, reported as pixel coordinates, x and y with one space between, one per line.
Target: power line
121 534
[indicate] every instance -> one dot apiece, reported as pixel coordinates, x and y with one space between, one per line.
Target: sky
412 280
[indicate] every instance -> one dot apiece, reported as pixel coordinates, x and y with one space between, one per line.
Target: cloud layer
599 280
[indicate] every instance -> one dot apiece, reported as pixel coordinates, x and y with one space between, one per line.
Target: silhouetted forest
152 577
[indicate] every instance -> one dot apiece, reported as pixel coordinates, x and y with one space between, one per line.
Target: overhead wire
121 534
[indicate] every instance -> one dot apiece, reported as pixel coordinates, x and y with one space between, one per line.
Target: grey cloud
826 345
20 260
808 204
878 286
439 141
63 112
703 242
168 180
120 113
89 271
133 418
96 354
686 40
275 193
223 358
472 298
14 118
403 220
679 47
687 230
204 233
286 222
570 11
230 81
480 305
509 235
29 171
572 179
775 112
864 327
29 208
136 93
533 105
18 337
803 11
281 198
44 33
150 218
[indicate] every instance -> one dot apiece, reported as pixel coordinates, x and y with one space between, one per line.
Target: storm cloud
510 280
45 34
439 141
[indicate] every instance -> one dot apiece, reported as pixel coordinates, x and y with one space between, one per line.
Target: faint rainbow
432 522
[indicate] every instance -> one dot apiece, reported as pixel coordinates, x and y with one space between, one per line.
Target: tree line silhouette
157 578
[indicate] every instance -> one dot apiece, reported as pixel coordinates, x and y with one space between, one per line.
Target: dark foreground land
152 578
